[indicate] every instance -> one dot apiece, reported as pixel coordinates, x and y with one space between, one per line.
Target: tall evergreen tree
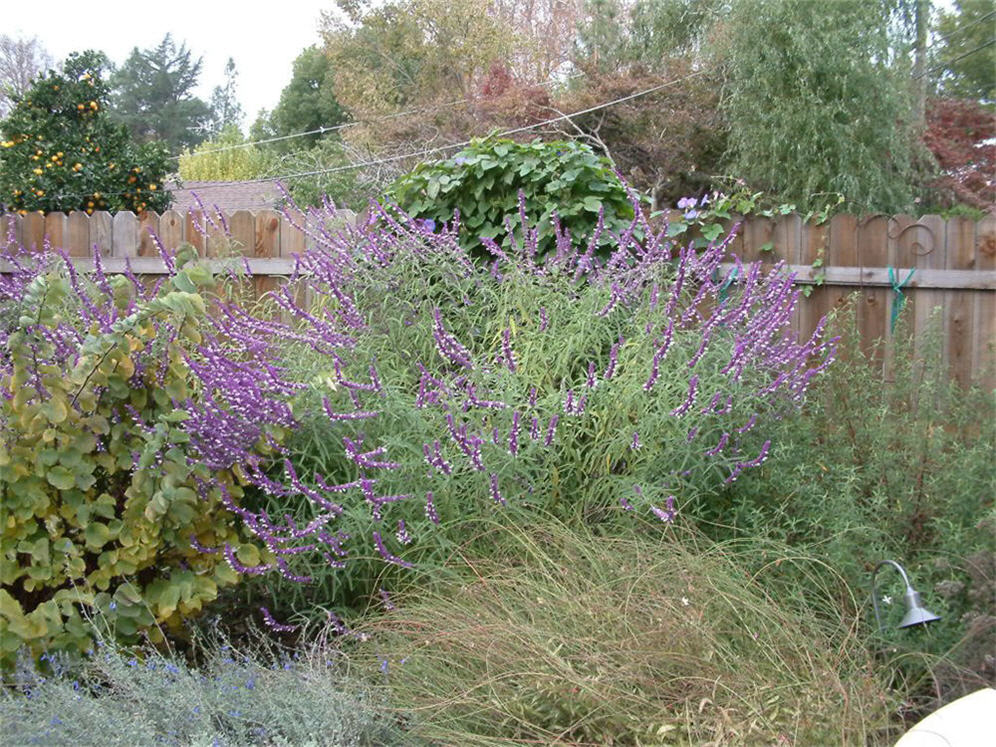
154 96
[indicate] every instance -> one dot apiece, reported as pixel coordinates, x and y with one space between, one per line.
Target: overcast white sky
262 38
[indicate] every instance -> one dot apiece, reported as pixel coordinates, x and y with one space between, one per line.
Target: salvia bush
103 491
443 388
416 387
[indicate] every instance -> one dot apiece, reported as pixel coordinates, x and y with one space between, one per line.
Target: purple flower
506 347
513 436
551 430
430 508
402 535
693 384
386 554
273 624
635 445
495 493
666 514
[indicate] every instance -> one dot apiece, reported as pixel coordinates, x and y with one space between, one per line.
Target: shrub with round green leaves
561 179
104 512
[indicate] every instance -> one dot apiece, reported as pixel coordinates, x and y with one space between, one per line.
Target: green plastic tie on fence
899 300
727 283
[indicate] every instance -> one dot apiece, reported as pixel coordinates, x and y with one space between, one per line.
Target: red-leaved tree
961 134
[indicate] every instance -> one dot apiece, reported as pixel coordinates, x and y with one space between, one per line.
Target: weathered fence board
953 264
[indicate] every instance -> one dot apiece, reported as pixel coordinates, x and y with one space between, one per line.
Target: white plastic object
967 722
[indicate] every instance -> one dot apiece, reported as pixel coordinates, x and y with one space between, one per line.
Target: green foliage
965 32
710 218
100 500
613 34
61 151
561 635
408 53
335 178
153 96
236 695
483 182
227 157
814 106
308 103
890 468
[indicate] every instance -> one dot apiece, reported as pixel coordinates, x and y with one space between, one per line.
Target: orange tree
59 151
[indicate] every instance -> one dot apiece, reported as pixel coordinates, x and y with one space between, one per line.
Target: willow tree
817 100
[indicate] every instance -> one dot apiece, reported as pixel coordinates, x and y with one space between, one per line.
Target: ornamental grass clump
563 636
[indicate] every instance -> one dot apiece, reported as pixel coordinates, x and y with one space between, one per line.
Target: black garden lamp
916 613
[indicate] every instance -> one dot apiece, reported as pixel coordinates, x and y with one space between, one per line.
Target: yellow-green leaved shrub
104 515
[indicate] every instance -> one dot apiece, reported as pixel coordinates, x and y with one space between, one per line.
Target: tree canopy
813 105
61 151
964 63
226 111
153 96
307 103
225 157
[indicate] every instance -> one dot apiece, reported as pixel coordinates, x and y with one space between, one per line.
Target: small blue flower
691 214
112 606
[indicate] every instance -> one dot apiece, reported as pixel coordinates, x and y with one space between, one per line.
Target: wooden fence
922 262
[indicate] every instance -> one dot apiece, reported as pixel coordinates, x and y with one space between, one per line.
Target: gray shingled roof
227 196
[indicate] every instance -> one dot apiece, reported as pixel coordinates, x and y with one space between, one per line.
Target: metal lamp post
916 613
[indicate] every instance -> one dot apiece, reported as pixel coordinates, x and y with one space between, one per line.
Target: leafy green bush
102 506
896 467
60 150
565 636
562 179
226 157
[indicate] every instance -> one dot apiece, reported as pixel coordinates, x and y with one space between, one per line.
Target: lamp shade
916 613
